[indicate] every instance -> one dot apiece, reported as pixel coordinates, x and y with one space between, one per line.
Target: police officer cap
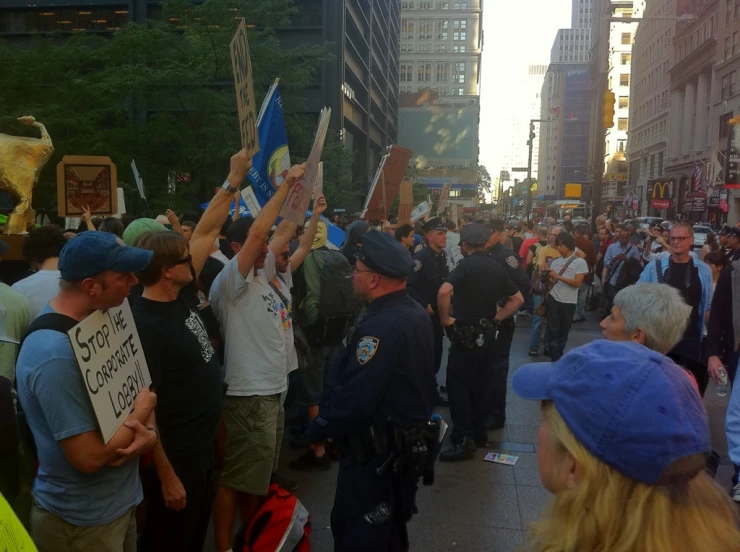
734 232
381 253
475 234
437 223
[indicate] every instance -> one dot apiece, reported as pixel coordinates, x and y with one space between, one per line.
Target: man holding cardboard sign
86 489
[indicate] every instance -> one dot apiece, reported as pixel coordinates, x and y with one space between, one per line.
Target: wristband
228 187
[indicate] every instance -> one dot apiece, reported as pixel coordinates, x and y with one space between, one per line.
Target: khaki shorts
254 434
53 534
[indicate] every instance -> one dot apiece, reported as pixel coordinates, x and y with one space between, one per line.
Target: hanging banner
405 202
296 204
388 177
732 172
723 205
241 66
444 197
112 363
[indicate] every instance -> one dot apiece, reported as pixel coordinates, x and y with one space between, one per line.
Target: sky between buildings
518 33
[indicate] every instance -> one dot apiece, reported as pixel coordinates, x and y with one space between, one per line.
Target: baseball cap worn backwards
91 253
631 407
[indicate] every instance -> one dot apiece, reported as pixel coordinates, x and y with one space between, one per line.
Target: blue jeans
536 332
581 305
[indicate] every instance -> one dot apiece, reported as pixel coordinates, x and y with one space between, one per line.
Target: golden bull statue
21 161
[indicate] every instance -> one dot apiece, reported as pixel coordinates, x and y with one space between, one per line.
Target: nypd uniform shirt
479 283
430 272
512 264
387 371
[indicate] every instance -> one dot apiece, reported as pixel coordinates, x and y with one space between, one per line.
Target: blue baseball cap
631 407
91 253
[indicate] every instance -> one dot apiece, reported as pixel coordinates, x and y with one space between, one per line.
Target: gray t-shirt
562 292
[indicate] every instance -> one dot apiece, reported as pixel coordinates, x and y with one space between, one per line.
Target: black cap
725 230
734 231
437 223
381 253
497 225
475 234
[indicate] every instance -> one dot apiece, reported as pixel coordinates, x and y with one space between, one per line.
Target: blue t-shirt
53 396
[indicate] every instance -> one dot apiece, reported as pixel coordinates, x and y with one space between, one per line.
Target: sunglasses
186 260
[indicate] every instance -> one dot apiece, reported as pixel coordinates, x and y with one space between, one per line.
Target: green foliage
160 93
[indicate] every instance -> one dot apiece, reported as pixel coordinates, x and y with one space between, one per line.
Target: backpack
49 321
282 524
337 297
630 273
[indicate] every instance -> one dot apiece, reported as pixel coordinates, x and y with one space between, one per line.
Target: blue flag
271 164
243 209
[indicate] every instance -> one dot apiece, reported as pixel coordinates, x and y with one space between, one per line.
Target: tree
160 93
483 182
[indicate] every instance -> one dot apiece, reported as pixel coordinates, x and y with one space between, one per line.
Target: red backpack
282 524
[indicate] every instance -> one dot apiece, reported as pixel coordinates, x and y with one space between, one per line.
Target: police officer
495 415
430 272
384 385
479 284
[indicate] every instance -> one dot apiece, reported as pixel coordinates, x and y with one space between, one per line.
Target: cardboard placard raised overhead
444 197
250 199
386 183
455 211
318 187
112 363
421 210
296 204
85 181
241 65
405 202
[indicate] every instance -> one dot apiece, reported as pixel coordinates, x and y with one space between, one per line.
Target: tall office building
571 46
440 54
582 14
526 106
360 84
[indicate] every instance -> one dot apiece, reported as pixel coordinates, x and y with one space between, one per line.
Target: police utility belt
472 336
408 452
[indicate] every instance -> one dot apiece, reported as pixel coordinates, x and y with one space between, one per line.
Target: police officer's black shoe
462 451
441 401
494 423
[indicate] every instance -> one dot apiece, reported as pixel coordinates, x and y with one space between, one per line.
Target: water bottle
723 382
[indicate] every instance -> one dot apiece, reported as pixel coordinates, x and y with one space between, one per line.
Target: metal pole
529 173
602 87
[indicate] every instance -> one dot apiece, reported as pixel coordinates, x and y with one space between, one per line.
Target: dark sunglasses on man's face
186 260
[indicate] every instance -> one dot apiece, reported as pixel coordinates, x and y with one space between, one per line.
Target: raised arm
174 221
304 248
260 229
210 224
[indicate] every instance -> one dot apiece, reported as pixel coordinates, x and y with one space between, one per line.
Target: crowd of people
239 316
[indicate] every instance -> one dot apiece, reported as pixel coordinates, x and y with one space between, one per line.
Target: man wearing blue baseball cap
622 444
86 491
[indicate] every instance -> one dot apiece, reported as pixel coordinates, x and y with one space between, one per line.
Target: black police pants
497 379
357 523
468 372
438 340
559 321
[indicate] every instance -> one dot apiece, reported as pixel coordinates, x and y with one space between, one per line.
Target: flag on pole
696 179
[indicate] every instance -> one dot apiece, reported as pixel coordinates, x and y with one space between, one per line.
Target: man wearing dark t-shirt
693 279
179 488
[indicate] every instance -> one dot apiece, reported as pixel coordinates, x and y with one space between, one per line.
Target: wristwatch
229 188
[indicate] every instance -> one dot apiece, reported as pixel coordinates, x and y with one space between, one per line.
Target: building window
444 5
442 28
728 48
443 72
624 79
624 102
407 72
626 38
424 73
733 83
407 29
458 49
621 145
625 59
49 19
426 29
735 43
441 48
724 124
461 5
622 123
737 7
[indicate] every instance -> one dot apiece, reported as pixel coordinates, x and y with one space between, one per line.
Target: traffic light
531 134
609 101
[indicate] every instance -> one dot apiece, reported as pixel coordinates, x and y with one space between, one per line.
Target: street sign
520 169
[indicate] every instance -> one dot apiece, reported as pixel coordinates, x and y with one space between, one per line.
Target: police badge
366 348
512 261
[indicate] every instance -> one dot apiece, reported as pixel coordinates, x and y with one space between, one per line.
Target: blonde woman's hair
610 512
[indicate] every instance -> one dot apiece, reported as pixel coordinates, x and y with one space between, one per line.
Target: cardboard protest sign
444 197
112 363
296 204
386 183
250 199
318 187
13 536
241 65
85 181
421 210
405 202
455 213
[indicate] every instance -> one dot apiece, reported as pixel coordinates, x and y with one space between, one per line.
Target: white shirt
562 292
285 283
219 256
39 289
251 316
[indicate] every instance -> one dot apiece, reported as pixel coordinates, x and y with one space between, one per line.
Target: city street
476 505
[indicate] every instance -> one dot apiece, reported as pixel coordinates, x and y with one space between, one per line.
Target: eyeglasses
186 260
678 238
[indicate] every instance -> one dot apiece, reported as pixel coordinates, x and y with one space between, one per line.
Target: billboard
660 191
732 171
